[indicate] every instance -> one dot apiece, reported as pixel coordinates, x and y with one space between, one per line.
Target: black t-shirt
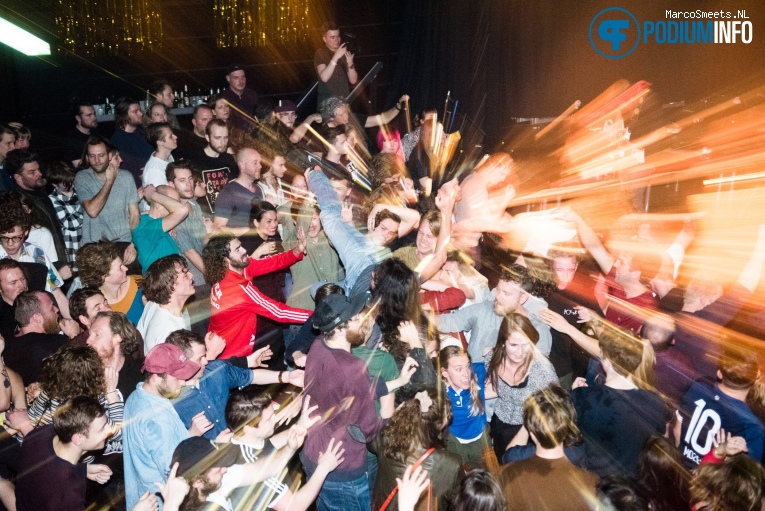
7 320
337 85
216 173
565 355
24 354
189 145
74 143
47 482
616 424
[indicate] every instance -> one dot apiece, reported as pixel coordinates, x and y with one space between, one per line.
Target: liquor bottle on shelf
186 98
107 107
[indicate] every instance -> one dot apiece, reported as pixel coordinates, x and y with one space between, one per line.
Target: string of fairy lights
110 27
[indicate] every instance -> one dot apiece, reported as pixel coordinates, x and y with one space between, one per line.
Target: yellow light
21 40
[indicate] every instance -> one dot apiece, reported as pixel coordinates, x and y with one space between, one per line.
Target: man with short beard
75 140
339 319
109 198
37 316
216 164
152 428
25 169
236 302
129 138
483 319
189 234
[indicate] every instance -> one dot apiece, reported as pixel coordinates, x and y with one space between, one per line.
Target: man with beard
109 198
37 316
117 342
482 320
235 301
24 168
76 138
189 234
216 164
339 319
129 138
152 428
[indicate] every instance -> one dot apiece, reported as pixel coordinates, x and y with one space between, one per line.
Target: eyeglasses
11 239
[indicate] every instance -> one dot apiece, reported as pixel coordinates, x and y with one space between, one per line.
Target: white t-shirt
42 237
157 323
232 480
154 174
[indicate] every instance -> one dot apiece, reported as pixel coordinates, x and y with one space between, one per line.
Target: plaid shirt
70 214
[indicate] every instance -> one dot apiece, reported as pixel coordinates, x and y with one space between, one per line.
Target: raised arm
591 241
445 200
299 132
94 206
324 71
410 218
752 273
178 211
387 116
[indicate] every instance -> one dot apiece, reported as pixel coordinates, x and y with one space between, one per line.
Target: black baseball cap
233 67
195 455
336 309
285 105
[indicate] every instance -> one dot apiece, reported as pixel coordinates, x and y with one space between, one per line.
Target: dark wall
529 58
38 91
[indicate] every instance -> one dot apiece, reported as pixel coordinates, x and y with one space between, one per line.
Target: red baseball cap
169 359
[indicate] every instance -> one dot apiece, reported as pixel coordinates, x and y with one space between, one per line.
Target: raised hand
215 345
301 245
411 486
346 214
408 369
332 457
409 334
200 425
264 249
296 437
339 53
147 502
553 320
174 491
258 357
305 415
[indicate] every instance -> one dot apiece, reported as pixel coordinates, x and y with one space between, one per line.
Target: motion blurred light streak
21 40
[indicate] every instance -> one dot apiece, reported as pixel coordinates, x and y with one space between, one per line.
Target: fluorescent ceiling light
21 40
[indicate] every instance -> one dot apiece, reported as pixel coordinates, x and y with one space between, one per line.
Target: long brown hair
411 431
444 356
512 322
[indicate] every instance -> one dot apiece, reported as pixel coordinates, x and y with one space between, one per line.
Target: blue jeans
355 250
345 496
